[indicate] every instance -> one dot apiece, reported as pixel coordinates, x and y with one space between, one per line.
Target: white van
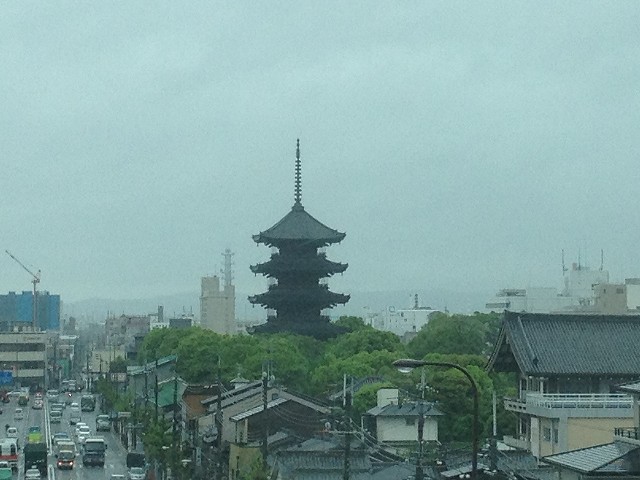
18 414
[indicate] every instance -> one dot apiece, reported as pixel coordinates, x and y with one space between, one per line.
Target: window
555 435
409 422
546 434
619 290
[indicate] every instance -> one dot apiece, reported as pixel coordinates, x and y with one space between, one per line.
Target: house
248 396
393 421
285 411
567 367
323 459
617 459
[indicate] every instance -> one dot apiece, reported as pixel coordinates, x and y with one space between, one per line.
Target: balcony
519 443
588 405
627 434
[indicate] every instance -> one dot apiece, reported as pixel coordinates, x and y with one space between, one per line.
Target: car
18 414
74 405
14 393
136 473
60 437
52 394
32 474
66 459
57 406
83 433
79 425
11 432
68 398
103 423
37 405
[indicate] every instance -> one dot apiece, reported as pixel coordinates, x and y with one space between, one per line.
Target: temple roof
317 264
298 225
568 344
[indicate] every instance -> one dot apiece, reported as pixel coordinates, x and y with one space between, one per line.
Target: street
115 455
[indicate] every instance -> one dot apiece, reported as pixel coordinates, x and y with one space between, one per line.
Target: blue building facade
16 310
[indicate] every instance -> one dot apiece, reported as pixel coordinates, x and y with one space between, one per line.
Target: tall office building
16 311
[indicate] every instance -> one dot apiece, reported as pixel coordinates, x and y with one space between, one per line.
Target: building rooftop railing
579 400
627 432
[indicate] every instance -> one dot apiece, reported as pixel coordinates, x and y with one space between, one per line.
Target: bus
87 403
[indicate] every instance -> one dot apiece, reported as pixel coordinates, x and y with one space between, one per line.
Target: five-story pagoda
296 293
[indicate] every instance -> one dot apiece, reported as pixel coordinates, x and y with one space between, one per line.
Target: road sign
6 377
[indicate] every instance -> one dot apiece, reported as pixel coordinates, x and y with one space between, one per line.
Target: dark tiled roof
612 457
299 225
569 344
633 388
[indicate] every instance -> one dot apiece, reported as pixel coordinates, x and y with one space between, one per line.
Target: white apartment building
218 306
578 294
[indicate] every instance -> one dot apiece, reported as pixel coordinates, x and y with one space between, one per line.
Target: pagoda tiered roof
298 225
278 296
315 265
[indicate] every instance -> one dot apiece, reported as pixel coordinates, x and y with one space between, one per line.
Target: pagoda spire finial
298 184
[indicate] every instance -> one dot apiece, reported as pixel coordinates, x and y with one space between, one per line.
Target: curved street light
406 365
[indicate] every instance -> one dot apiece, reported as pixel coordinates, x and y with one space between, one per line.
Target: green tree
367 339
118 365
367 397
352 324
457 334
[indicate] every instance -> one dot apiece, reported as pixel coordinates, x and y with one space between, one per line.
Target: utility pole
347 435
419 472
218 423
155 391
265 433
174 427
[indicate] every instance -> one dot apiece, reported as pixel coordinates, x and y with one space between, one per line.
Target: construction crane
35 281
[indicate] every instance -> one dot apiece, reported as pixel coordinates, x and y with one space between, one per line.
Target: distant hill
361 303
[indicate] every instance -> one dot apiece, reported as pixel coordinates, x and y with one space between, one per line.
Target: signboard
6 377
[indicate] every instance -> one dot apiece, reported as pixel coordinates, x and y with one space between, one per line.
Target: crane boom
36 276
35 281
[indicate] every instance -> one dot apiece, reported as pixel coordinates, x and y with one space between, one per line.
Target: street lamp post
405 365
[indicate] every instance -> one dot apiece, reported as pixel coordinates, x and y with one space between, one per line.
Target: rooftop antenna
601 259
227 271
298 182
564 268
579 260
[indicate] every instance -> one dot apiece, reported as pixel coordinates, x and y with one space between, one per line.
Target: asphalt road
115 455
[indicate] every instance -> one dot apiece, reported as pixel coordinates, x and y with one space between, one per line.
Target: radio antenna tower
227 271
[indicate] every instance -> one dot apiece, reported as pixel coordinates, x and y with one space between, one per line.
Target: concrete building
218 306
578 294
24 354
16 310
127 331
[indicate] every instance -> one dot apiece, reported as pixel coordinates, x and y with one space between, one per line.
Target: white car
83 433
32 474
79 425
18 414
12 432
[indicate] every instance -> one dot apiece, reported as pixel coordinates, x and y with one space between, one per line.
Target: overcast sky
460 146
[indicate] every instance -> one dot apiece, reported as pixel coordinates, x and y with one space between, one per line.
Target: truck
35 455
9 452
87 403
93 452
